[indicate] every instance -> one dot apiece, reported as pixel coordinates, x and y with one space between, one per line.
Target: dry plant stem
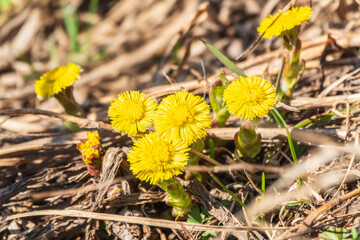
214 207
252 182
82 122
222 133
312 217
110 165
333 85
313 137
136 220
309 102
203 156
48 143
238 166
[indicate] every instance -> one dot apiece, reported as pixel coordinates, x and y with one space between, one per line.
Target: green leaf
194 215
280 120
292 204
226 203
71 26
207 235
334 234
222 58
315 123
263 183
354 234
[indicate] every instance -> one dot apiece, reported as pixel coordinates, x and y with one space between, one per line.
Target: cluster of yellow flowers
180 119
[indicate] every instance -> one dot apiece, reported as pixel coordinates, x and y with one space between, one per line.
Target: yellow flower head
132 112
288 20
90 149
183 115
56 80
155 158
250 97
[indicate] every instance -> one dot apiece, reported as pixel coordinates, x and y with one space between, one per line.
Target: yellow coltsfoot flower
90 149
56 80
250 97
288 20
132 112
155 158
183 116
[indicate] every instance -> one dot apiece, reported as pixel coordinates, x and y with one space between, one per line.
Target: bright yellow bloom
288 20
90 149
155 158
56 80
250 97
183 115
132 112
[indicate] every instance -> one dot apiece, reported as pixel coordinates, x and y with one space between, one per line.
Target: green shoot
276 192
263 185
354 234
201 217
212 148
315 123
71 26
297 203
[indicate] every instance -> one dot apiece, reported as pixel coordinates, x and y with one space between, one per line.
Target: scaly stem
294 67
178 197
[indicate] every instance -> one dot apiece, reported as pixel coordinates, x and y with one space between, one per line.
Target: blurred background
129 44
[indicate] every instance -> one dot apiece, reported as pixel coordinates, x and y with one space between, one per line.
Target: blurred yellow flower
250 97
90 149
132 112
289 19
155 158
183 115
56 80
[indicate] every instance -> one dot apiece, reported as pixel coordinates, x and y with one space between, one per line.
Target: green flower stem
198 146
179 199
247 141
220 112
194 160
294 67
67 100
